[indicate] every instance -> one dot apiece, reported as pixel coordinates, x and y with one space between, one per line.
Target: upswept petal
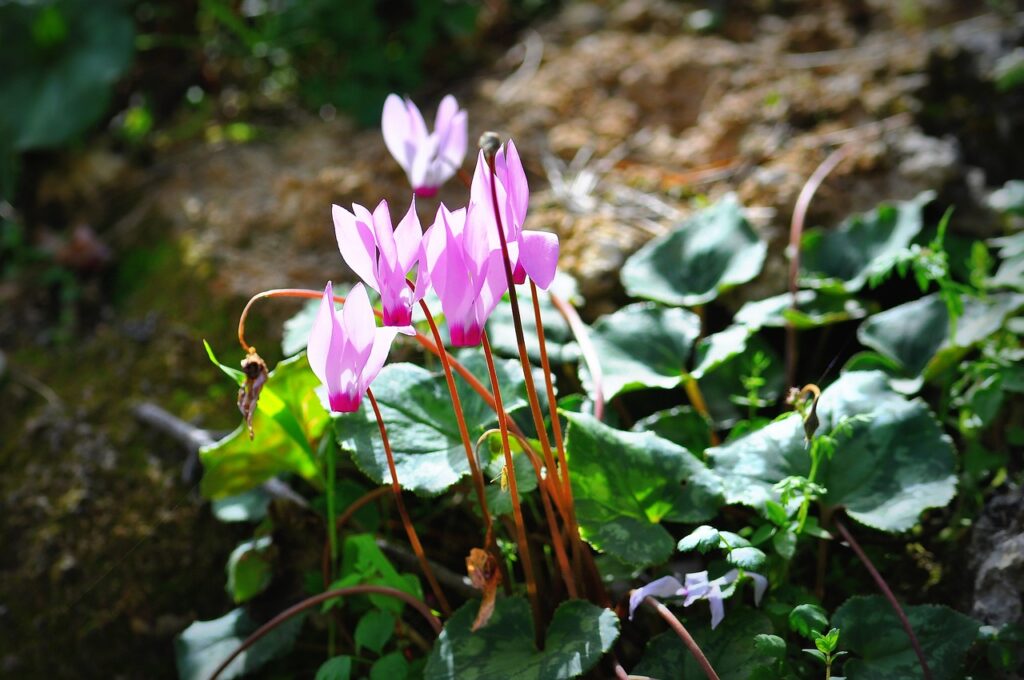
357 244
538 254
666 586
760 586
422 173
516 186
396 126
358 322
321 335
417 126
714 598
407 237
382 340
388 263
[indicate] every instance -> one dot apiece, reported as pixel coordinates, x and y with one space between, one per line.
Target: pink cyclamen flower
346 351
533 253
697 587
466 271
382 257
429 159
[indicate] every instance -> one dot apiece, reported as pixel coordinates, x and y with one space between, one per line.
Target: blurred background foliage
158 71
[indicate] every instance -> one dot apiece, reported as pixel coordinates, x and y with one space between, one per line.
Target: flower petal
385 241
378 355
714 599
357 244
396 126
760 586
408 236
666 586
516 186
359 324
321 335
538 254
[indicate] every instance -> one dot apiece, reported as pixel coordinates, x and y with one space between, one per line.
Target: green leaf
784 542
626 483
872 631
915 335
499 501
421 424
296 330
249 569
288 417
680 425
770 645
558 338
201 647
374 630
578 636
58 62
391 666
718 348
808 620
827 643
643 345
724 379
1011 269
885 473
705 255
815 308
362 562
336 668
1008 199
842 259
704 538
749 558
733 649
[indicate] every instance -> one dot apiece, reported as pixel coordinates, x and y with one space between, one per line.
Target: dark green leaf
732 649
421 424
392 666
362 562
297 329
626 483
770 645
491 454
249 569
885 473
815 308
579 634
749 558
643 345
201 647
871 631
249 506
807 620
784 542
708 253
374 630
704 538
558 338
843 258
288 417
916 335
725 380
680 425
716 349
336 668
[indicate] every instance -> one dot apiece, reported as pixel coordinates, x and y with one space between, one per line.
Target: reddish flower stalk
679 629
513 488
460 417
887 592
310 602
410 530
796 230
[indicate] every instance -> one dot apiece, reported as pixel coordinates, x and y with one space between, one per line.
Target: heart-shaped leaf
680 425
643 345
705 255
626 483
842 259
871 630
201 647
249 569
288 417
1011 270
725 359
558 338
891 467
578 636
732 649
421 425
916 334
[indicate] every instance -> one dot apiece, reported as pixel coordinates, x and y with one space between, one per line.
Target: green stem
805 506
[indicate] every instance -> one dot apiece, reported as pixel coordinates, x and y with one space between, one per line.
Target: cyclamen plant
857 449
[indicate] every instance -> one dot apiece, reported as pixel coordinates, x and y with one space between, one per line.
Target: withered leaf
256 373
482 568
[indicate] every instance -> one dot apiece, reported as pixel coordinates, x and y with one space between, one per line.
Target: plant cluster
580 523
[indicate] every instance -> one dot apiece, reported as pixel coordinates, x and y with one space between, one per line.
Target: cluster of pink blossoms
459 256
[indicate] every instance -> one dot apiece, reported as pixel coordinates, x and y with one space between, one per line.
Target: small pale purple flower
697 587
428 158
533 253
466 271
347 351
383 257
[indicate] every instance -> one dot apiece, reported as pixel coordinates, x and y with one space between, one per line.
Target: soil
628 116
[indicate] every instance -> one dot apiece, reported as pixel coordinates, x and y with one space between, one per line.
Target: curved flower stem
582 335
460 417
796 230
677 626
517 510
410 530
887 592
323 597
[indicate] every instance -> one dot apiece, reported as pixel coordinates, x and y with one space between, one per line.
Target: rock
997 560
